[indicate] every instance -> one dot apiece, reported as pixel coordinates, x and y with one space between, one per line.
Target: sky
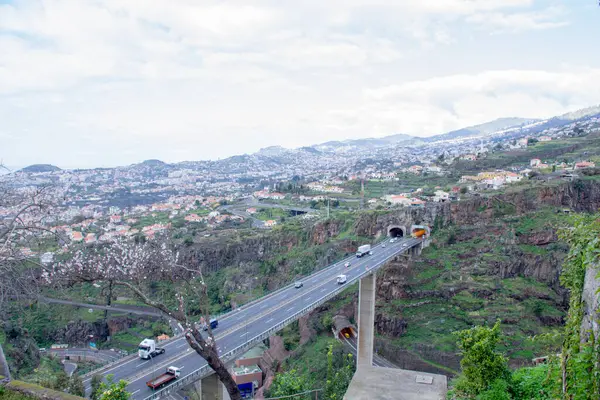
100 83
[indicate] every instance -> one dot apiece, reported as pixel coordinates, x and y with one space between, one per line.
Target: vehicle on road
171 374
383 245
147 349
298 284
418 233
213 324
363 250
347 264
341 279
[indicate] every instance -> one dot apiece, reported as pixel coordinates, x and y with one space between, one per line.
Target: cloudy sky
87 83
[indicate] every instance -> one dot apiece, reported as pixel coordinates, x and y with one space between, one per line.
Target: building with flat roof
252 356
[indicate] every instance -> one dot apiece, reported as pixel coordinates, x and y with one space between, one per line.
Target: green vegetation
19 390
110 390
575 374
481 364
6 394
463 262
265 214
330 368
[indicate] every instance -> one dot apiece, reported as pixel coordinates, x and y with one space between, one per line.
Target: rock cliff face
591 304
78 332
491 256
579 196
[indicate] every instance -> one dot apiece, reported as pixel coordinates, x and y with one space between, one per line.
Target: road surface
256 319
378 361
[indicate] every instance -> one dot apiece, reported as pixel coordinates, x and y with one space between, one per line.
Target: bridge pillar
211 388
366 321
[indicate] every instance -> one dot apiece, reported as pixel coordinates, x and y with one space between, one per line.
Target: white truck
363 250
341 279
147 349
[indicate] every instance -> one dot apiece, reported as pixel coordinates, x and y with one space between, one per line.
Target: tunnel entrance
396 231
342 328
347 332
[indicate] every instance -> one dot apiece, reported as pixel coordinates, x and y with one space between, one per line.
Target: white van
341 279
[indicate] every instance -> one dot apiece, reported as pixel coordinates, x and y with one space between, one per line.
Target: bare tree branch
135 267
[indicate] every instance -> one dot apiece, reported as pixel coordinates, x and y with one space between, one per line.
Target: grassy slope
480 296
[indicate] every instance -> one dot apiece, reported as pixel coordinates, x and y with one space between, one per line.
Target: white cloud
189 79
441 104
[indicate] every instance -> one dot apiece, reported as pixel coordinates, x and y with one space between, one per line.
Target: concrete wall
246 378
244 362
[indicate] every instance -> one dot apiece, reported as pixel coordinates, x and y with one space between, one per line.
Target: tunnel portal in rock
342 327
396 231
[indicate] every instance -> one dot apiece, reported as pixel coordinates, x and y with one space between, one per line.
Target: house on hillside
468 157
585 164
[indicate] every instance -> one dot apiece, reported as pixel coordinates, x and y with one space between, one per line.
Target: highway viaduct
250 324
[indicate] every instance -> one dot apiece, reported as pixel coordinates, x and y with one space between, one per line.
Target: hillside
40 168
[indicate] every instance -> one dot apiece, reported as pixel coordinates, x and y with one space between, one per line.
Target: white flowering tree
22 225
136 266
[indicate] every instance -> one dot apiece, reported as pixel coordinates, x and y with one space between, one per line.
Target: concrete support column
366 321
211 388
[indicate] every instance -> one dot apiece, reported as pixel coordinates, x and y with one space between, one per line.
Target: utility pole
327 207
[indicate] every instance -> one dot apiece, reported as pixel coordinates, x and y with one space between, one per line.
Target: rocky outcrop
579 196
390 325
376 224
540 238
306 330
324 231
79 332
271 362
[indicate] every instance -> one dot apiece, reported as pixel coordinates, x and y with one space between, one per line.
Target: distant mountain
153 163
347 145
584 112
40 168
272 151
487 128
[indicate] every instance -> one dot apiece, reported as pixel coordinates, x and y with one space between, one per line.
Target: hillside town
146 199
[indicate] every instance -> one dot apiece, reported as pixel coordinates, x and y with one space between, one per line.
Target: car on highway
298 284
341 279
213 324
383 245
347 264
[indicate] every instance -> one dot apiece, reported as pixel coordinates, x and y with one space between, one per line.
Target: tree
136 266
481 364
76 386
95 384
290 383
62 381
464 190
110 390
28 210
338 379
580 358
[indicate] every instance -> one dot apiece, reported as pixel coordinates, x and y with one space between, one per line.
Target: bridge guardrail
205 370
123 359
221 316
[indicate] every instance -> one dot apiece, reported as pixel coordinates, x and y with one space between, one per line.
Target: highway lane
277 308
132 366
378 361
